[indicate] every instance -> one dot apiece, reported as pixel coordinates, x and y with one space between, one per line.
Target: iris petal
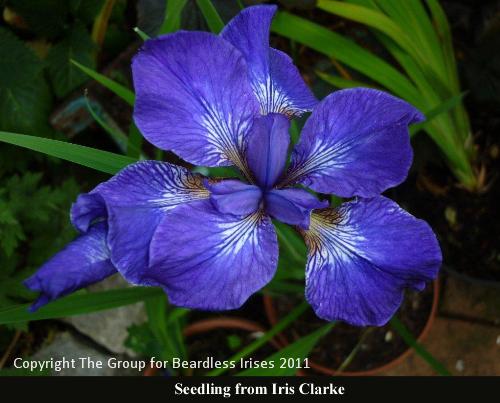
266 153
193 97
361 258
208 260
355 143
82 262
275 80
234 197
136 200
292 206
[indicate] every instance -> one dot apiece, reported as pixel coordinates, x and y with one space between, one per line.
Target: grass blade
117 89
135 141
211 15
419 349
173 12
120 138
299 350
79 304
346 51
99 160
279 327
445 107
339 82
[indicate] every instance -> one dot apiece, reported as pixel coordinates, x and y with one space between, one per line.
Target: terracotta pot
223 322
273 319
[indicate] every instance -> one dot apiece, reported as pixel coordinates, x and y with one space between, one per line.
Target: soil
377 345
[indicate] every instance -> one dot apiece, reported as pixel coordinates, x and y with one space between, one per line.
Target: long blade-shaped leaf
297 351
211 15
79 304
99 160
279 327
419 349
348 52
118 89
445 107
172 21
340 82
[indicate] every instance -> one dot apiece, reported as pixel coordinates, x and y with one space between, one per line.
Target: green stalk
279 327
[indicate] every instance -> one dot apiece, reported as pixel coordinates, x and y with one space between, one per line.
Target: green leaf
380 21
135 141
25 100
339 82
99 160
46 18
118 89
346 51
291 242
120 138
419 349
172 21
86 10
211 15
167 332
297 351
79 304
445 107
278 328
77 45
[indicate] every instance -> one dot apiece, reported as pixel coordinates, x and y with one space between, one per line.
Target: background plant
423 70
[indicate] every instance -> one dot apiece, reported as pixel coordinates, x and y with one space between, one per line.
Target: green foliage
297 351
25 99
211 15
167 331
118 89
173 12
103 161
33 226
64 75
85 10
79 303
420 43
46 18
279 327
142 340
234 342
161 336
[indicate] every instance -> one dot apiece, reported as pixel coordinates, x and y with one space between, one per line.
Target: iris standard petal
234 197
292 206
208 260
267 149
136 199
193 97
275 80
361 258
355 143
82 262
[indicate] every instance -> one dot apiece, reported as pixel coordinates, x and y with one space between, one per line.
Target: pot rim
273 319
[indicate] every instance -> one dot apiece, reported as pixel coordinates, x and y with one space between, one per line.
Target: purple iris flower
210 244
